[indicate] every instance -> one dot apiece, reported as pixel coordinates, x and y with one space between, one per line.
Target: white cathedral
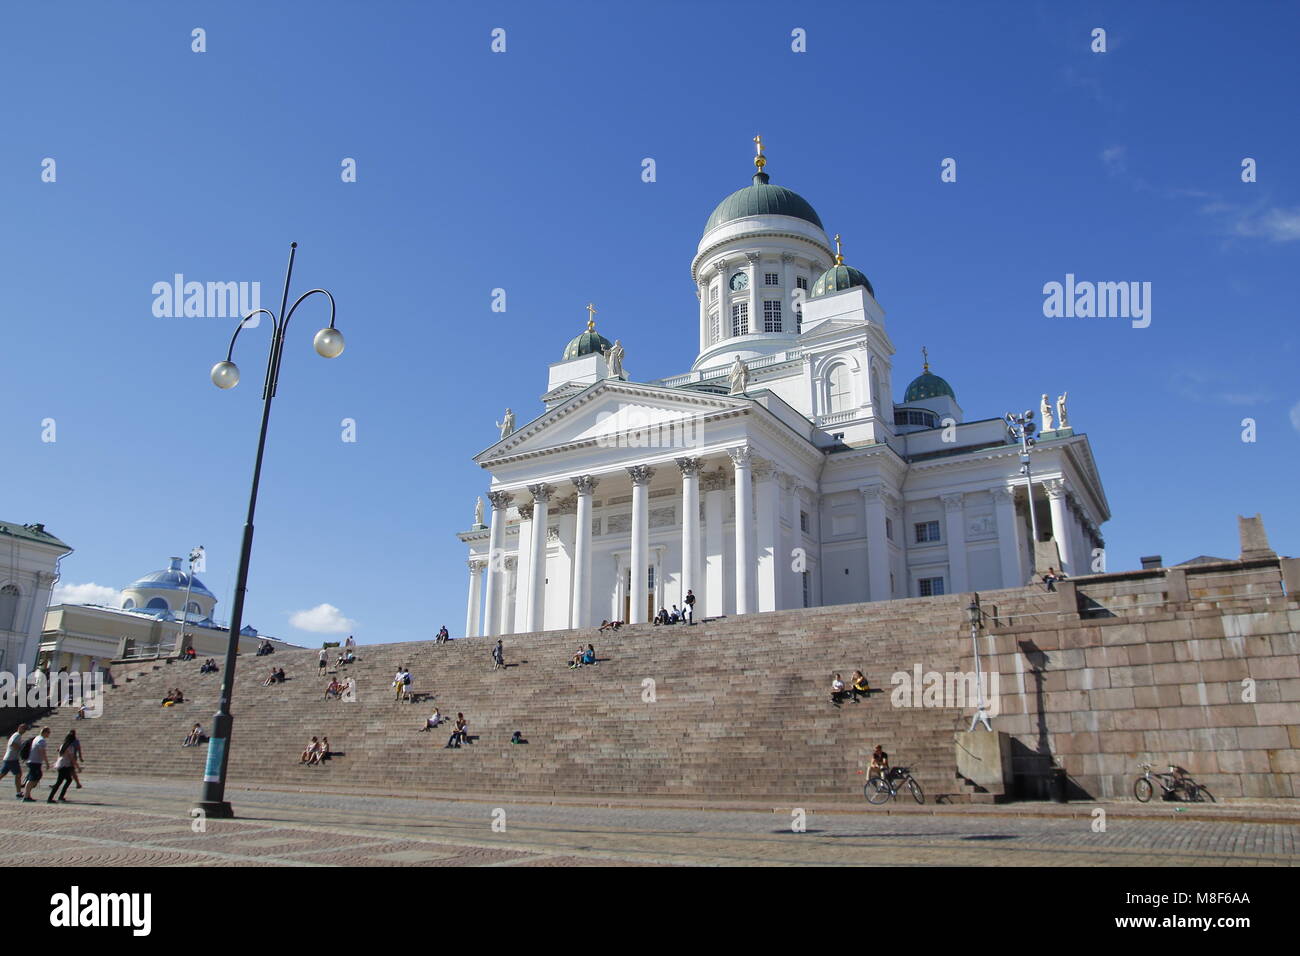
777 473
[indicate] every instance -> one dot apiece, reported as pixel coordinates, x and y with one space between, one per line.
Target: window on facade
800 282
771 278
927 531
807 589
715 328
650 578
804 523
889 528
771 315
740 318
929 587
158 604
840 390
8 607
713 291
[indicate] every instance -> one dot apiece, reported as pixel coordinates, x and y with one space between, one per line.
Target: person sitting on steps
460 732
433 721
858 686
837 690
312 754
334 690
879 763
270 679
195 736
1050 579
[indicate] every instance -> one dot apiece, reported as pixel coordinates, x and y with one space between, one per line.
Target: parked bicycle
879 789
1177 784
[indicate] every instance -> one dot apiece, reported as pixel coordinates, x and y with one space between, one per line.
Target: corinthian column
500 502
537 565
640 475
1056 492
740 458
475 594
580 613
955 535
690 468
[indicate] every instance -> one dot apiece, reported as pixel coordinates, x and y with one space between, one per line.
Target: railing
148 651
720 371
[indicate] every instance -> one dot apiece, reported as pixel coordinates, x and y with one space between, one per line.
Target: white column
475 597
755 293
740 458
767 555
789 321
1009 546
715 570
537 558
640 558
509 587
523 596
581 611
500 502
1060 523
702 290
690 468
877 543
955 535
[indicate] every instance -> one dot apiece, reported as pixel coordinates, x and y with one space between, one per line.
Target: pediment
601 412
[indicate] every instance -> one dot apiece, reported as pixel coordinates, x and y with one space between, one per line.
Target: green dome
588 343
927 385
762 199
838 278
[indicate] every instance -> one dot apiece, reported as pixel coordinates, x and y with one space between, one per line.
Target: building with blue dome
781 469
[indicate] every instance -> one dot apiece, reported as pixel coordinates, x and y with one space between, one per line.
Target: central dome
762 199
172 579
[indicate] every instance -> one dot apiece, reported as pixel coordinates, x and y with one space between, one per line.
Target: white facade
804 484
29 569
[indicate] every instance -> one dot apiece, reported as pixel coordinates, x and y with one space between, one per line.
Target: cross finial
839 259
925 358
759 160
591 317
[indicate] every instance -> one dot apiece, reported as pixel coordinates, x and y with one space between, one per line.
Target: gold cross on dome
925 358
759 160
839 258
591 317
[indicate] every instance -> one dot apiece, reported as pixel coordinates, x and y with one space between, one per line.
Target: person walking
320 666
498 656
35 762
13 759
688 607
65 765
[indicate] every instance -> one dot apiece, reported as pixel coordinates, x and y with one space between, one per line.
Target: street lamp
976 617
1021 428
328 343
195 554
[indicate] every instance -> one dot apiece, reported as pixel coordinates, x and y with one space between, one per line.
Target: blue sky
522 170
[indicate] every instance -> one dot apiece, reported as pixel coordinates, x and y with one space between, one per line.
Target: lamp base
220 810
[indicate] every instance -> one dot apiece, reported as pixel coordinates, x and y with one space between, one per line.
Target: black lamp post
329 343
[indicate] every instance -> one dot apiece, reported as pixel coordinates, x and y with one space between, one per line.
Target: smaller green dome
588 343
927 385
838 278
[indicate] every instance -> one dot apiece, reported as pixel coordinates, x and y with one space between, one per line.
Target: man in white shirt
12 759
36 762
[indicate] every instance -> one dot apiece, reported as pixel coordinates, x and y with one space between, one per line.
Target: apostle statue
507 424
1045 411
1061 420
478 512
614 356
738 377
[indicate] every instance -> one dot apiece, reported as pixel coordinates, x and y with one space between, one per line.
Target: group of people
585 655
174 696
317 751
442 637
857 687
336 689
194 737
208 667
683 615
190 653
35 753
265 648
402 683
275 677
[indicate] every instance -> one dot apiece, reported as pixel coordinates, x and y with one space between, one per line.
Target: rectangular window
889 528
771 315
715 329
927 531
800 282
771 278
807 589
803 522
713 292
930 587
740 318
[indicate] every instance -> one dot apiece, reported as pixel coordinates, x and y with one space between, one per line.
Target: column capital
787 257
501 500
952 502
752 257
510 563
640 474
541 492
1054 487
1002 493
526 512
690 467
476 565
585 484
741 456
714 480
872 492
721 267
552 534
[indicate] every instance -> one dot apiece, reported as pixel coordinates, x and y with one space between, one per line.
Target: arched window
158 604
839 389
8 607
192 607
128 604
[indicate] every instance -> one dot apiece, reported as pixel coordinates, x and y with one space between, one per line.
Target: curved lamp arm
274 378
240 327
294 307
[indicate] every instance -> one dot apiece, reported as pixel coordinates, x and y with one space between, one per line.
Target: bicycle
1176 784
878 790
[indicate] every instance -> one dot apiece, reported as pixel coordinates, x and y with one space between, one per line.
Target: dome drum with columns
778 471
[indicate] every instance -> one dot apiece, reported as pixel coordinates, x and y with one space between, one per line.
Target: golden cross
839 258
591 317
760 161
925 357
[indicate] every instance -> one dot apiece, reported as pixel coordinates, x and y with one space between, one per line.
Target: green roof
927 385
762 199
31 532
588 343
838 278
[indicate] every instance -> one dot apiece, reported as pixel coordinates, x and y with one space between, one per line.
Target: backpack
26 750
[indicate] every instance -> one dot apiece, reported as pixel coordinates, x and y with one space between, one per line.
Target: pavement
119 821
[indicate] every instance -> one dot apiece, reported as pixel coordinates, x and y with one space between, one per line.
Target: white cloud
1113 157
322 619
1276 225
1295 416
87 594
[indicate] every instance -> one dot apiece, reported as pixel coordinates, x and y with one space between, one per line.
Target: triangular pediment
602 412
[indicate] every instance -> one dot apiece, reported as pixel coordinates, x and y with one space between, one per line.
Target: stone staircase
740 710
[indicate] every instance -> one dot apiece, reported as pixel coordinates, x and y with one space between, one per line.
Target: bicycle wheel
1142 789
917 793
877 791
1196 794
